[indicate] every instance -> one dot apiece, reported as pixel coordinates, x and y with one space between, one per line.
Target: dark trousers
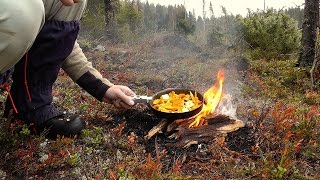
36 72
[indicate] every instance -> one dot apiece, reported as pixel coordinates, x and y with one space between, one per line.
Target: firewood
184 136
220 118
178 123
218 125
157 129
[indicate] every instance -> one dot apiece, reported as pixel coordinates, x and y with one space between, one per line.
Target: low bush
270 34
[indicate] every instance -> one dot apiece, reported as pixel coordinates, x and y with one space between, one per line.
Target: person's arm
83 73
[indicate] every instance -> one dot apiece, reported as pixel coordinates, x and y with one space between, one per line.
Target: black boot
34 76
67 125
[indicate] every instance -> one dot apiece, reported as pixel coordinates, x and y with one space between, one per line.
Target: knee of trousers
20 23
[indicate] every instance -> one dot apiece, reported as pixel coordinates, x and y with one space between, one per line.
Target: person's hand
69 2
120 96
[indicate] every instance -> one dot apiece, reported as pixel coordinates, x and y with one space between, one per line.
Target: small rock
119 155
55 99
123 52
3 174
43 158
99 48
77 172
44 144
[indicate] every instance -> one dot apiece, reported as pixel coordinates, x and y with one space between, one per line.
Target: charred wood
215 126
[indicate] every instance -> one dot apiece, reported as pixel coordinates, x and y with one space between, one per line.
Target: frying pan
170 116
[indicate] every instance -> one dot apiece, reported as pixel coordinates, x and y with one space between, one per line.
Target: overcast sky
232 6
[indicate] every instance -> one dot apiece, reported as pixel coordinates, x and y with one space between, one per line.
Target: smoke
226 106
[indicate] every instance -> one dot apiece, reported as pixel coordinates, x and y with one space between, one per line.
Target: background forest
266 55
130 20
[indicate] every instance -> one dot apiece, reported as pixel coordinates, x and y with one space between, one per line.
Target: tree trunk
110 9
309 32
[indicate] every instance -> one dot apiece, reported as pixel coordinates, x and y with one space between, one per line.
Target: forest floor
280 140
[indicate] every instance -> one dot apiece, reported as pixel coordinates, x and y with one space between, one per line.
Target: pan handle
141 99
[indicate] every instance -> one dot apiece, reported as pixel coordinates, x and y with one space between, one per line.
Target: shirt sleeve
83 73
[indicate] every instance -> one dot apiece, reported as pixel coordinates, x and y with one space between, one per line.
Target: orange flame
212 98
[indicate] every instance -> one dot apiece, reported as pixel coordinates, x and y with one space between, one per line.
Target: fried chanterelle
177 103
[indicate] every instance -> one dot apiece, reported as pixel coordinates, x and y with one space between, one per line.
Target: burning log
216 126
185 136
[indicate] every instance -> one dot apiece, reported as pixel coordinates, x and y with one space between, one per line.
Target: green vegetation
280 141
270 34
133 19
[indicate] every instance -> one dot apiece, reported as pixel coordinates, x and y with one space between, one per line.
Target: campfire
215 119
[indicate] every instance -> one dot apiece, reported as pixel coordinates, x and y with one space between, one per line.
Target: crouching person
56 47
